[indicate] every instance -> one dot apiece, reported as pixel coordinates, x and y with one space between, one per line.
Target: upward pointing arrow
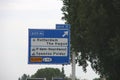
65 34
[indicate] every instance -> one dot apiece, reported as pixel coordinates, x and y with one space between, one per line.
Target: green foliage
95 26
96 79
48 73
24 77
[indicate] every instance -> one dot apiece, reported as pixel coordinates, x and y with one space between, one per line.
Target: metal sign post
73 66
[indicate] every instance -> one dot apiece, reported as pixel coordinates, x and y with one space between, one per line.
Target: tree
95 34
48 73
24 77
96 79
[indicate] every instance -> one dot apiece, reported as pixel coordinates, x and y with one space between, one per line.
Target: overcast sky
16 16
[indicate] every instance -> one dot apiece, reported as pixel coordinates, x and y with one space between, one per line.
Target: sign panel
57 79
49 46
63 26
36 78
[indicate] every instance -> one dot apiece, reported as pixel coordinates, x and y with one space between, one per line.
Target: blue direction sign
57 79
63 26
36 79
49 46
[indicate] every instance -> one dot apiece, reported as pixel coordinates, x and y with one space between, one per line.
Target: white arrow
65 34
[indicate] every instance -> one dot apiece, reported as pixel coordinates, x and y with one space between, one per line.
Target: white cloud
31 5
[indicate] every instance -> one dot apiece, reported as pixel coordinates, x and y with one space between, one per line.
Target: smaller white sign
49 42
48 51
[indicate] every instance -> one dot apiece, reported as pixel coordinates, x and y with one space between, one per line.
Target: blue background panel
38 33
49 33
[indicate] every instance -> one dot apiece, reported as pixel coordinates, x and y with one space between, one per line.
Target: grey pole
73 66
